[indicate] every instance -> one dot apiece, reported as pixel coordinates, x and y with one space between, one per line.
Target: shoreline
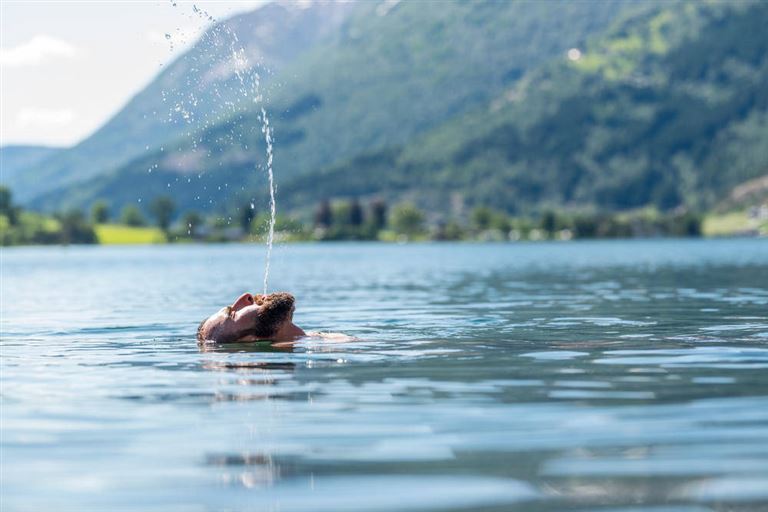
406 242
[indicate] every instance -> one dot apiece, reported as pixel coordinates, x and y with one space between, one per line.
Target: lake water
609 376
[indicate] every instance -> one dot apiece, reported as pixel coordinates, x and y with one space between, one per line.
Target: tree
341 214
482 217
501 221
6 205
549 222
685 224
407 219
192 221
247 214
375 221
378 217
75 229
100 212
131 216
450 230
6 200
355 213
324 215
584 226
163 209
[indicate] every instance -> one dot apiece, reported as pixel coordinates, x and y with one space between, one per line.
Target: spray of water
272 209
249 82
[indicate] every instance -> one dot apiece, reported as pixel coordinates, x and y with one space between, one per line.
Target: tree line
349 219
72 226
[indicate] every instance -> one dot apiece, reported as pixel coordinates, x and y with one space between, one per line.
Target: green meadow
117 234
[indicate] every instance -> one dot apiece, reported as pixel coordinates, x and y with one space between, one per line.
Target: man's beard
276 310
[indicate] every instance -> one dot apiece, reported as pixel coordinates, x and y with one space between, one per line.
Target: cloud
44 117
36 50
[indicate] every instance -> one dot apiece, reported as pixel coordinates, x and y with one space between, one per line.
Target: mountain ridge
379 81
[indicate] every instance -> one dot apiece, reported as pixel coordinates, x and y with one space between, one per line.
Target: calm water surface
608 376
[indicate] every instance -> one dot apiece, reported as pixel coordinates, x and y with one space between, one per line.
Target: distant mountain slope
196 90
669 108
14 159
392 71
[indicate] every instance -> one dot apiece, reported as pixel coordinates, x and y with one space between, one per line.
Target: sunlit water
551 376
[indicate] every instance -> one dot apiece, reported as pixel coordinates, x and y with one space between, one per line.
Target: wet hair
200 331
276 308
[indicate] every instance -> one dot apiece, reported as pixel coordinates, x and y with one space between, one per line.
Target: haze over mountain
198 89
15 158
391 71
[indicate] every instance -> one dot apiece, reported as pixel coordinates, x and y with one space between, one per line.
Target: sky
68 66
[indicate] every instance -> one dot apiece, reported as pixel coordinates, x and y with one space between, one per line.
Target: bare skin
257 318
253 318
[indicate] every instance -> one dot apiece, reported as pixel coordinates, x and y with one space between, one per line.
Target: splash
267 130
249 82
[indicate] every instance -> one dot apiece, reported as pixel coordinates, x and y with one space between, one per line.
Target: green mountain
391 72
197 90
668 108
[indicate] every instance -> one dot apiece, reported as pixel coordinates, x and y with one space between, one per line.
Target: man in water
252 318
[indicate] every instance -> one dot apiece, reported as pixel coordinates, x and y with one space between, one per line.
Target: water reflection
247 469
237 348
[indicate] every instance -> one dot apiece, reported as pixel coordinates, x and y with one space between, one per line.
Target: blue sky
67 66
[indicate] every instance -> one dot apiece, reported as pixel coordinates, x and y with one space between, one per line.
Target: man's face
249 318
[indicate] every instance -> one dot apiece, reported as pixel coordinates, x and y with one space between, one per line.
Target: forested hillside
392 71
669 108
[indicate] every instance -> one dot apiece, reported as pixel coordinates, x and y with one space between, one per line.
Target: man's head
252 318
